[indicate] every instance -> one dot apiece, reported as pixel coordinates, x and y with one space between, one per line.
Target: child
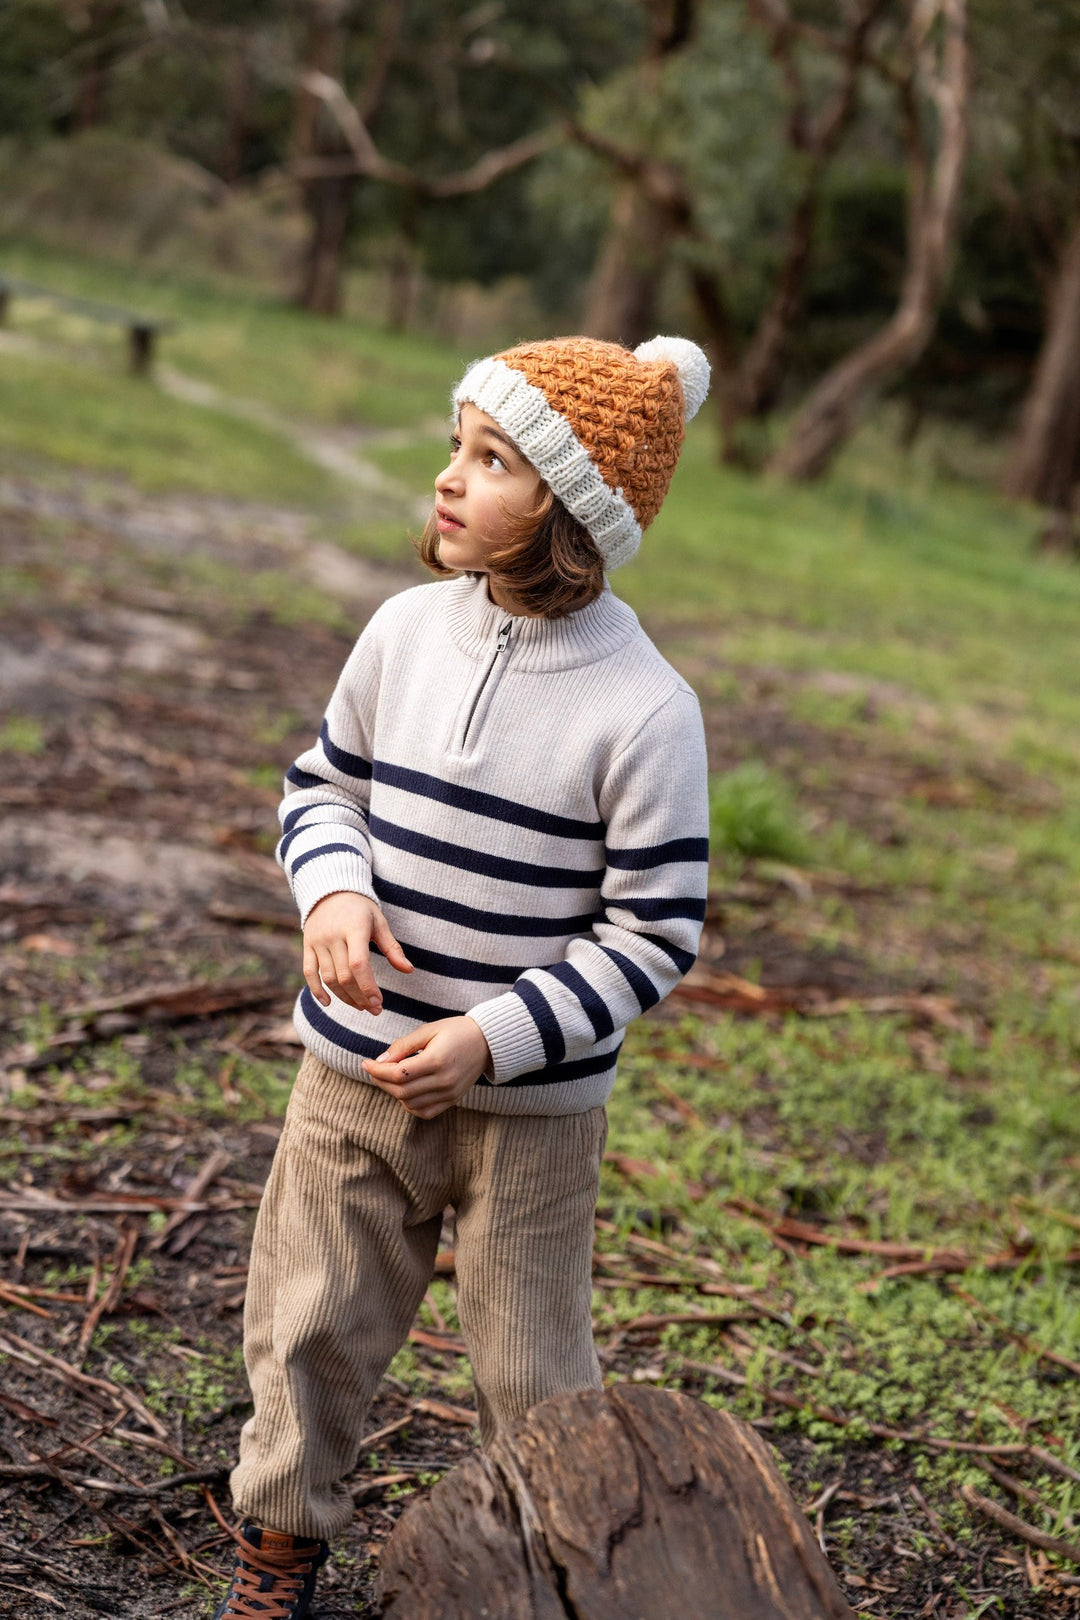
507 806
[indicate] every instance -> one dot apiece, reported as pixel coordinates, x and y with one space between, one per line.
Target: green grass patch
845 1125
254 347
110 423
21 734
752 813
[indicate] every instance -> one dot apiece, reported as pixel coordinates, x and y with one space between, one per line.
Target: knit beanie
602 425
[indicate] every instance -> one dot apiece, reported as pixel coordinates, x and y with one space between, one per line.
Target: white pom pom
690 362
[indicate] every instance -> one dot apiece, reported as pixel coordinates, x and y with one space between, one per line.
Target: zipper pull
504 637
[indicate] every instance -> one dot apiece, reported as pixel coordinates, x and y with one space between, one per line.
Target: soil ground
136 851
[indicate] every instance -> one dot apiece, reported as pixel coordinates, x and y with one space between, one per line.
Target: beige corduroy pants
344 1250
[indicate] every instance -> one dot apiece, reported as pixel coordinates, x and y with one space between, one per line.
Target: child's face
486 482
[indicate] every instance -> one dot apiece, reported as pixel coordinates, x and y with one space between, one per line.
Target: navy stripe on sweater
544 1019
683 960
306 779
656 910
351 1041
340 758
485 922
559 1073
640 983
323 849
594 1006
676 849
456 967
484 804
478 860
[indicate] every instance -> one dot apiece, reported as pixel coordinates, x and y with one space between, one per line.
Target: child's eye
497 460
455 444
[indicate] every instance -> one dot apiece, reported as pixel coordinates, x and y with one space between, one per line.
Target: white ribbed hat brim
549 443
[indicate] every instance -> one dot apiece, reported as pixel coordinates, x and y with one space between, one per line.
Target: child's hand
336 937
429 1069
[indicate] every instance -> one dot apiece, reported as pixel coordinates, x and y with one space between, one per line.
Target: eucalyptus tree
1029 139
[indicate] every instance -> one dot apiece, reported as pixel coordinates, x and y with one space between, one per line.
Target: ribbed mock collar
583 637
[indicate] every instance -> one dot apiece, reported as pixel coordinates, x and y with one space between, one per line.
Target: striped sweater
525 799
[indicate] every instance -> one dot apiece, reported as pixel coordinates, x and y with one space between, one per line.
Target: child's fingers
340 976
384 939
414 1041
316 966
414 1067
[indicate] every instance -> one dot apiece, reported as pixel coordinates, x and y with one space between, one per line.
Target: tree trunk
625 284
237 107
1044 462
625 1504
835 406
327 199
96 59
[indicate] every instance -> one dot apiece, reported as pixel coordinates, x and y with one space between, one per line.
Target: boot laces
289 1568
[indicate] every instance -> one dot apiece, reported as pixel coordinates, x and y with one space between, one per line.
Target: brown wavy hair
548 562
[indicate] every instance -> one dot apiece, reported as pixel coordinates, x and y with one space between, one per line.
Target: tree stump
624 1504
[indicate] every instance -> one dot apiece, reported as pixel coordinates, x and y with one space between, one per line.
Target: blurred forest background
245 250
841 200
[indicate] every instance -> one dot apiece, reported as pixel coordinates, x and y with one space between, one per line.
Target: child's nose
449 479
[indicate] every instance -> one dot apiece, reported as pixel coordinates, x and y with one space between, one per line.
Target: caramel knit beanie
602 425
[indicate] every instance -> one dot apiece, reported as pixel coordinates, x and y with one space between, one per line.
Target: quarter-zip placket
486 680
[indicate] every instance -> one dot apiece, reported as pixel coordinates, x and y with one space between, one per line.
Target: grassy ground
879 1046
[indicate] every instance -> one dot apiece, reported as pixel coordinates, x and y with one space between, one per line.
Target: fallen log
623 1504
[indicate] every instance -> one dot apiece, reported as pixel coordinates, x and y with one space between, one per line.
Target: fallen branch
880 1431
1022 1339
932 1519
189 999
463 1415
1023 1492
33 1202
382 1482
287 922
680 1319
197 1187
386 1431
1020 1527
77 1116
9 1296
1047 1210
57 1368
451 1343
125 1253
1007 1260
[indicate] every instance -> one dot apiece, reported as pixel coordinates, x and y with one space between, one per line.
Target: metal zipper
500 647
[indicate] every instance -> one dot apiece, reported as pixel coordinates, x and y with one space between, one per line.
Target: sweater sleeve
324 845
654 803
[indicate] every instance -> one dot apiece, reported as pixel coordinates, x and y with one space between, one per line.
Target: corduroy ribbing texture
526 799
344 1250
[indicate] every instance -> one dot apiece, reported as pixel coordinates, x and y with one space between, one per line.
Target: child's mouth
445 523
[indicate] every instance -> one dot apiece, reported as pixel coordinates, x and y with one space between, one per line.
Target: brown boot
274 1575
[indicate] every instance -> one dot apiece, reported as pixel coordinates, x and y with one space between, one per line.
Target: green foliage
751 813
21 734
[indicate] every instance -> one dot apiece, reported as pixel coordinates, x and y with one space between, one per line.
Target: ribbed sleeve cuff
512 1036
327 874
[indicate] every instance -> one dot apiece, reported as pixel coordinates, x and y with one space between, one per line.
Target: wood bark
626 1504
653 207
835 406
326 198
1044 460
755 387
625 284
624 288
